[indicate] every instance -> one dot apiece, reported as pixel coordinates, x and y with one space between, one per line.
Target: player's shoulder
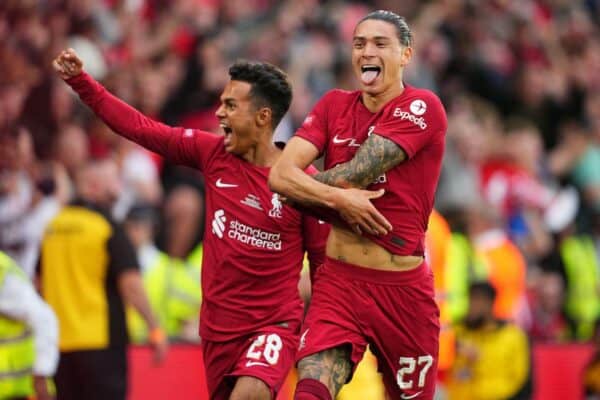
339 95
421 105
415 95
209 141
194 133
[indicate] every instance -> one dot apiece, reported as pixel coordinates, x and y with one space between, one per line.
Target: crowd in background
520 186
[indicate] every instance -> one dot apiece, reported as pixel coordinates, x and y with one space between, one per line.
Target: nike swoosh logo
337 140
253 363
221 184
405 396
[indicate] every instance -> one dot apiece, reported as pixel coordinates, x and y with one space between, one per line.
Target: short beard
475 322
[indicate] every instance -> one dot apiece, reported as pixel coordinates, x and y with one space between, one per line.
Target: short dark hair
270 86
483 288
402 29
519 123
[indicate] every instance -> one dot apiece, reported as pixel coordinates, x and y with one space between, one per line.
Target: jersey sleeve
190 147
314 127
414 127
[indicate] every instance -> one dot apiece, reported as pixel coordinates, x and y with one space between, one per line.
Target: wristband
156 336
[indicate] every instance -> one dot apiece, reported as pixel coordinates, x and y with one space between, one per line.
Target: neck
375 102
90 197
264 153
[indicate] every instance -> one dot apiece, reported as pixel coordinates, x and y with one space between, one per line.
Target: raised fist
67 64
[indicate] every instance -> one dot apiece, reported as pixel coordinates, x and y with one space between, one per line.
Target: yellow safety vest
464 267
581 266
194 259
174 293
17 352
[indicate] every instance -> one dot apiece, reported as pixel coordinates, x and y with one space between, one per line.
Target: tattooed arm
288 178
374 157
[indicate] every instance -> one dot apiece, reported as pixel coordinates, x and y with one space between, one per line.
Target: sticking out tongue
369 76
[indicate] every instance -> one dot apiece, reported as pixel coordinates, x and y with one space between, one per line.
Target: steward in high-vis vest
579 257
438 239
28 337
173 285
491 257
175 295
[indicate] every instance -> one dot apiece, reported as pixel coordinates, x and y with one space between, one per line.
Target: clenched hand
68 64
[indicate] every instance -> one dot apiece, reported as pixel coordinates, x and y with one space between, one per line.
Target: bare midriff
352 248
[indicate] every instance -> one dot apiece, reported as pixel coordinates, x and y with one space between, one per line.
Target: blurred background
519 197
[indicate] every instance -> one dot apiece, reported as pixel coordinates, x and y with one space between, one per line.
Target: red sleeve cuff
83 76
404 144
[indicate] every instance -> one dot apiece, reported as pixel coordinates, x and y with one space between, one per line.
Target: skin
332 367
248 133
374 43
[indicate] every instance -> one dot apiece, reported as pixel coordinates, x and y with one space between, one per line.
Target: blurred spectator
137 188
485 253
173 287
183 217
514 183
88 270
437 245
579 257
28 337
473 137
71 147
549 322
30 195
583 171
492 356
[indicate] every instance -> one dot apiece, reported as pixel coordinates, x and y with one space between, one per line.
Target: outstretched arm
374 157
122 118
288 178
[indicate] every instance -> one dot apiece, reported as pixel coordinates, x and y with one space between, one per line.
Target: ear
406 56
264 116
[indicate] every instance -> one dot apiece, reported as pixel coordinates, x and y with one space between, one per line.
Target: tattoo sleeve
331 367
374 157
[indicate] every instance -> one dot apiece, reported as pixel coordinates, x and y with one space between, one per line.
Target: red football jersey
253 243
416 121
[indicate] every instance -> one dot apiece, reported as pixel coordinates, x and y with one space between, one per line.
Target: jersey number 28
267 346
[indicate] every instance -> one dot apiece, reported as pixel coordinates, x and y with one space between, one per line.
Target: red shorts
267 354
394 312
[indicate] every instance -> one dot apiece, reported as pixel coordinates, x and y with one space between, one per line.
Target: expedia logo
420 121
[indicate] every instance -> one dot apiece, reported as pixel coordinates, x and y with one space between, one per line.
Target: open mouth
369 73
226 129
227 133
